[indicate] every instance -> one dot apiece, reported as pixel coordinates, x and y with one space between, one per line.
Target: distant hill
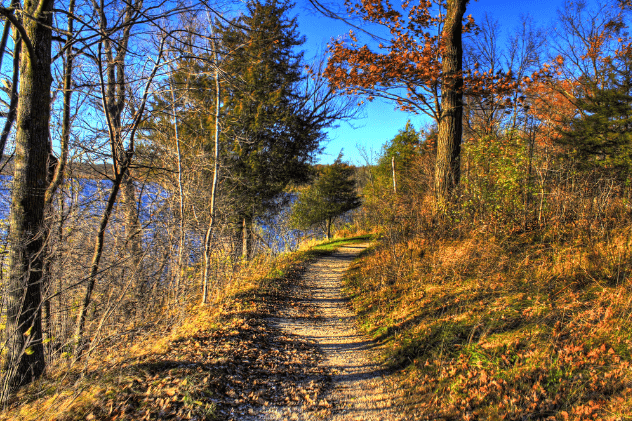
91 170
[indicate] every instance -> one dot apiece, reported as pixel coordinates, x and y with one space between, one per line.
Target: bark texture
25 351
448 164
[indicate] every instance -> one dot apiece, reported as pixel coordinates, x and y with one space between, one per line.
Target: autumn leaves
420 69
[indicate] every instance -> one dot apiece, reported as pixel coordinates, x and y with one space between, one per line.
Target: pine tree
269 141
400 151
602 134
332 194
398 159
273 113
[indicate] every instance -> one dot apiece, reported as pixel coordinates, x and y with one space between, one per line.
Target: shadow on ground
229 373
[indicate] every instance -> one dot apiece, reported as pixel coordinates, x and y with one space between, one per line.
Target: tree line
195 116
572 86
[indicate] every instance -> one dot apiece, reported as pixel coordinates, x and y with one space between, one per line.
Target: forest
162 200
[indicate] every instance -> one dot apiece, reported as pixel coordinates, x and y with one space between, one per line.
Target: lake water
84 200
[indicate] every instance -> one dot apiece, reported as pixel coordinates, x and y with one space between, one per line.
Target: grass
332 245
491 327
146 378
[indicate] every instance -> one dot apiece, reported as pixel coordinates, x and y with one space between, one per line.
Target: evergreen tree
189 93
399 154
602 133
269 140
273 113
332 194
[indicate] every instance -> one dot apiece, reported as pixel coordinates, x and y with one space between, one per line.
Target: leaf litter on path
358 388
294 355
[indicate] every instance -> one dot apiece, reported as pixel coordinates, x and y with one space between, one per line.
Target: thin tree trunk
209 233
528 196
50 257
94 264
115 100
25 352
121 158
245 243
132 230
328 228
181 193
60 168
447 167
394 179
13 105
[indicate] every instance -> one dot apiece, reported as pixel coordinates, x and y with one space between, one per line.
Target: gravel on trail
358 388
287 350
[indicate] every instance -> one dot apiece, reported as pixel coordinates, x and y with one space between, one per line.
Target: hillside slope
489 327
227 361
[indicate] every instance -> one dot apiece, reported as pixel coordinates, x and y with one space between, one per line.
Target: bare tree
111 61
212 212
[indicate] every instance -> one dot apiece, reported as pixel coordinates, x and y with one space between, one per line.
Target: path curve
358 390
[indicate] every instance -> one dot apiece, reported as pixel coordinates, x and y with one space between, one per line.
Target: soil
358 388
287 351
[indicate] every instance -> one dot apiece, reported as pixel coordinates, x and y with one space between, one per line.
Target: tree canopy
421 69
332 194
267 142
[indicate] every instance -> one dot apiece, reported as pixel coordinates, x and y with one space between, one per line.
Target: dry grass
504 327
70 392
188 371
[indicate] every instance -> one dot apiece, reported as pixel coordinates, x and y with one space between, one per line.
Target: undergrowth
518 326
194 370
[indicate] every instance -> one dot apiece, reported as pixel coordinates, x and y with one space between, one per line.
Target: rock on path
358 390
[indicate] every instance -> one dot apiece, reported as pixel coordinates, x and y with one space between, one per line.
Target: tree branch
8 13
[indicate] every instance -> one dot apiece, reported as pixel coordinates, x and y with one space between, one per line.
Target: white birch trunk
209 232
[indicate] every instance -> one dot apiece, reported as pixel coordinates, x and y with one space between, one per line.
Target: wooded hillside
513 301
498 282
198 117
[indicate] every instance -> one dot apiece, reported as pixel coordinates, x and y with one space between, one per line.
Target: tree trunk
94 264
394 179
181 241
448 165
132 230
245 232
25 351
13 105
329 228
58 173
528 196
209 233
113 104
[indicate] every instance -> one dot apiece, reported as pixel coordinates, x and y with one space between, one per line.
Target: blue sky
380 121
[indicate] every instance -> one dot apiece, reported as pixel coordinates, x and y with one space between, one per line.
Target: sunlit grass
487 327
332 245
79 391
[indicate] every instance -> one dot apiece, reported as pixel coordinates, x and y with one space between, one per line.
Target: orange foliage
592 52
410 61
552 105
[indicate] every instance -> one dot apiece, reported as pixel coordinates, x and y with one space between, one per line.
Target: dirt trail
288 350
358 390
